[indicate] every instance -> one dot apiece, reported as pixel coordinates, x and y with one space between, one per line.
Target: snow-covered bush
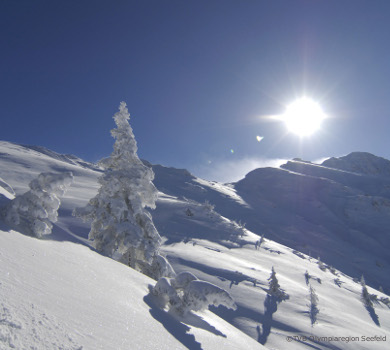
185 293
34 211
122 227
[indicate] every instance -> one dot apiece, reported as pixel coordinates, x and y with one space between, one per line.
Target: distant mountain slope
338 215
362 163
344 218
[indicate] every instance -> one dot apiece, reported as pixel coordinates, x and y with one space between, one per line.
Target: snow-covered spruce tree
184 293
122 227
274 287
273 283
34 211
259 242
313 306
307 277
321 265
366 298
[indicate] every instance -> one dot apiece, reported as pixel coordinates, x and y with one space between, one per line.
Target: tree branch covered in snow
34 211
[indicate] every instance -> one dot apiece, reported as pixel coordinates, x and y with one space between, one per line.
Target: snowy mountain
58 293
341 216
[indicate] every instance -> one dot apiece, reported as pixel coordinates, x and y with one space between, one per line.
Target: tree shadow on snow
198 322
270 307
60 232
373 315
249 313
235 277
173 326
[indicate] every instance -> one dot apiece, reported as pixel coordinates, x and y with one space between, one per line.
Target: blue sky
199 77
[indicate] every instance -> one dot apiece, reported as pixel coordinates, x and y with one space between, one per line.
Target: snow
59 293
362 163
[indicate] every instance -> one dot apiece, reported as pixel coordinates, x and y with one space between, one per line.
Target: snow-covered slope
60 293
343 217
361 163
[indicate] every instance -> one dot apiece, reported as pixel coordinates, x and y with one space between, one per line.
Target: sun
303 117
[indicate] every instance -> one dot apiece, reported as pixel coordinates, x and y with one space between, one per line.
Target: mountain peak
360 162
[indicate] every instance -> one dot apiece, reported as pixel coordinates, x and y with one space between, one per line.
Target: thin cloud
234 170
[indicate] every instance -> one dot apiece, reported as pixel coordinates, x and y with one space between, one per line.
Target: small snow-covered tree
189 212
365 296
122 227
273 283
34 211
313 298
274 287
307 277
259 242
184 293
321 265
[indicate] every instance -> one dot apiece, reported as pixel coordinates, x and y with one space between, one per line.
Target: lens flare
303 117
259 138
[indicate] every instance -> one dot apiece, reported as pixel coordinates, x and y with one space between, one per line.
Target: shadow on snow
180 328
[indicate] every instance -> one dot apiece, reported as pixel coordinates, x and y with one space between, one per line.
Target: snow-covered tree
273 283
122 227
209 209
189 212
34 211
307 277
365 296
321 265
184 293
313 298
259 242
274 287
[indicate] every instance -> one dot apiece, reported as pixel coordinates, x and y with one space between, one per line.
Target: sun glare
303 117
